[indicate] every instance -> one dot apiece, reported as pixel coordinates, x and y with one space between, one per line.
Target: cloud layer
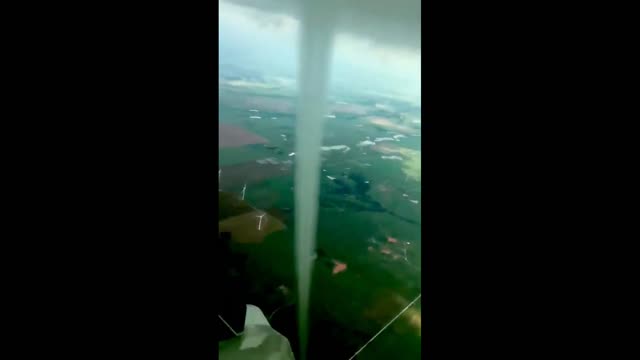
392 23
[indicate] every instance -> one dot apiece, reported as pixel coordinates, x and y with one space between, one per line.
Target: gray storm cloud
392 23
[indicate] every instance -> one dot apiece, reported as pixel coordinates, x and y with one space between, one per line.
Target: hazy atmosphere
268 42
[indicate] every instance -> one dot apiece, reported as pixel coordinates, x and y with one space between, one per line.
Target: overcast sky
371 57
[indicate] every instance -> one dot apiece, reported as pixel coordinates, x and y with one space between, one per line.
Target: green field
355 221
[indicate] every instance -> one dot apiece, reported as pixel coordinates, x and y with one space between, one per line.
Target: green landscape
369 233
